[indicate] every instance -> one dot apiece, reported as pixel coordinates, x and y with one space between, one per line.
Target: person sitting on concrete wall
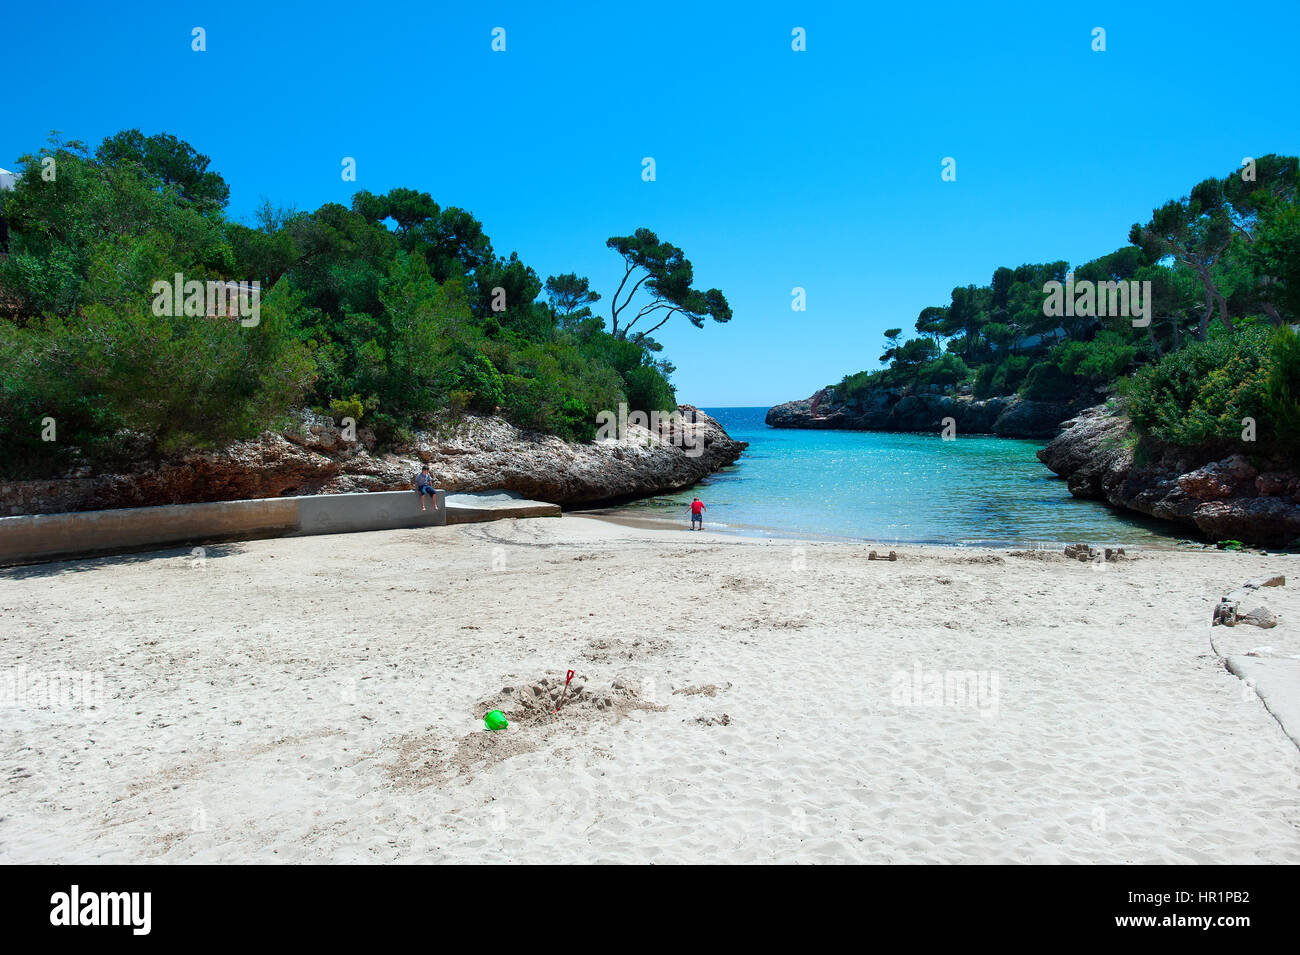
424 485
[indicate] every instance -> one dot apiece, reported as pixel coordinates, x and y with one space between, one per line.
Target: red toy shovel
565 693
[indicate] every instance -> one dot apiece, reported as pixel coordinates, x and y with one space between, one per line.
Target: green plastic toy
496 720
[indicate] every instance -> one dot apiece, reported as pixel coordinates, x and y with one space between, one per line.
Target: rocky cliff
479 453
892 410
1231 498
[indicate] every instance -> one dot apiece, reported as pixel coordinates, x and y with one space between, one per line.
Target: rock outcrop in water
479 453
1229 498
893 410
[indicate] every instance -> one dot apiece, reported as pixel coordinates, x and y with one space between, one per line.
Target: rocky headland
890 409
1252 500
315 456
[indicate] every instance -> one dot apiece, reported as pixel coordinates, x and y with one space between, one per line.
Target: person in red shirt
697 513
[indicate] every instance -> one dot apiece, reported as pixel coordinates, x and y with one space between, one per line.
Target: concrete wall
375 511
37 537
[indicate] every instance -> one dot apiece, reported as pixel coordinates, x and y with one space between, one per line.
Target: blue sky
775 169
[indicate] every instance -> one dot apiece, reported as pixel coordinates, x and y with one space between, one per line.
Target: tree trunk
1155 342
1223 307
1203 331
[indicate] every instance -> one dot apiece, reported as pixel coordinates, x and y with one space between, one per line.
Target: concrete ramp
1277 683
40 537
1266 658
468 508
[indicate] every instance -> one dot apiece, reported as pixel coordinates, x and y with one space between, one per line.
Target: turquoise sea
886 488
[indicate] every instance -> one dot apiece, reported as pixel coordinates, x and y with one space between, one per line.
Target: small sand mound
423 759
711 689
426 759
723 720
606 648
488 749
536 702
768 622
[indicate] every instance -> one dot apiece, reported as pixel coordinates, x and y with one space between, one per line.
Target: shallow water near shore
916 488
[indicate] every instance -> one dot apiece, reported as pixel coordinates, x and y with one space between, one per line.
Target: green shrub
350 407
947 370
121 382
479 379
853 387
1283 391
1196 397
1103 359
460 400
1001 378
649 390
1048 382
1073 367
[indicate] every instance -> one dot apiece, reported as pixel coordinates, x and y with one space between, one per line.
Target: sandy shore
321 700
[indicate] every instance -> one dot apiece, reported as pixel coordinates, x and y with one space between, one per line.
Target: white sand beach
321 700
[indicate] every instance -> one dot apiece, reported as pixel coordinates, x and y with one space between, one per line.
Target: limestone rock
1218 480
1277 580
1272 483
1224 499
1259 617
313 456
1225 614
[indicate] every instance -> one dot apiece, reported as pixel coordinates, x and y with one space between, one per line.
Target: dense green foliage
1223 265
388 312
1199 395
1282 396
